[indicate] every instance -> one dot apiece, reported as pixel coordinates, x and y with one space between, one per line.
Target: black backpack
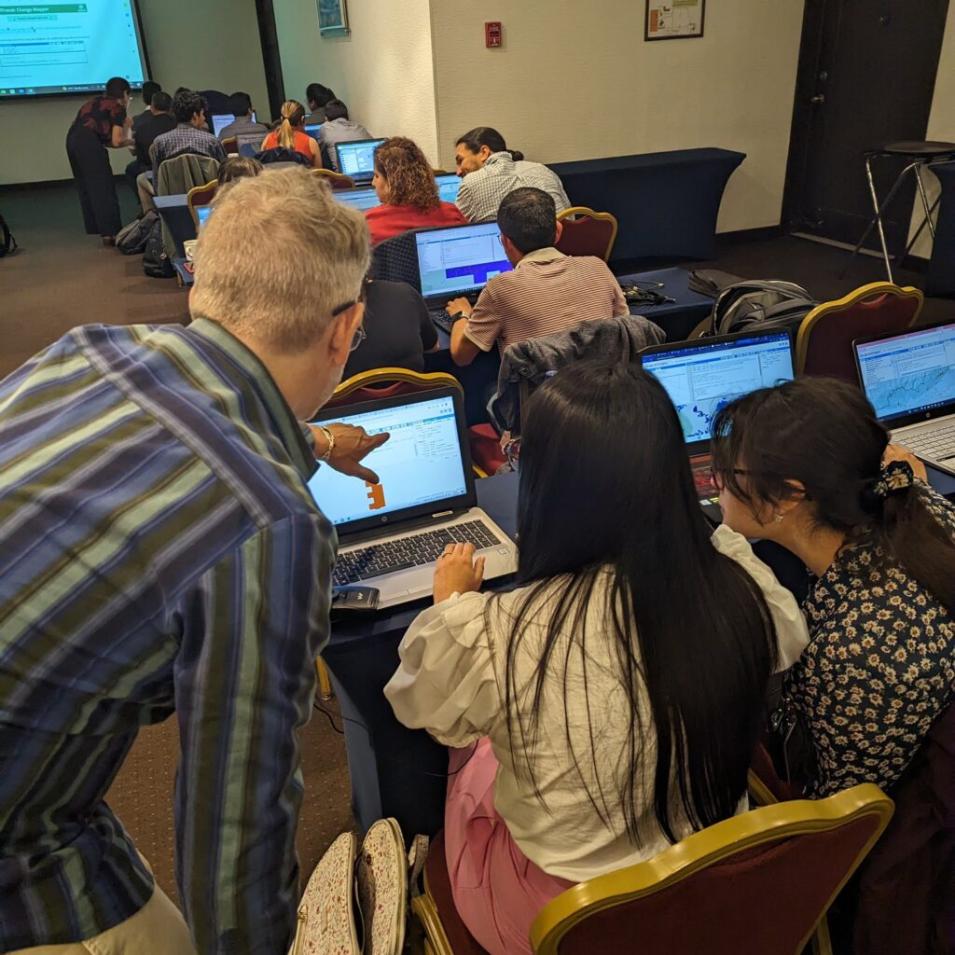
131 239
155 262
8 245
759 306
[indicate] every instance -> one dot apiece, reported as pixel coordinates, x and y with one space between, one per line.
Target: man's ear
560 231
342 332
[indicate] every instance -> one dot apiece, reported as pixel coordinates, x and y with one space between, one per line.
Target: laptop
314 130
704 375
457 261
910 380
360 199
202 214
220 121
390 534
448 186
357 158
249 144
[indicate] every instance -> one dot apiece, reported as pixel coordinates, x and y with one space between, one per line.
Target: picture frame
333 18
674 19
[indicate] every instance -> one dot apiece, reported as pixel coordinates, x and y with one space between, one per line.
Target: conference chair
825 336
396 260
759 882
231 146
585 232
200 196
337 180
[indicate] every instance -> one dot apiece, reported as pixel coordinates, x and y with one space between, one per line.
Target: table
940 277
666 203
396 771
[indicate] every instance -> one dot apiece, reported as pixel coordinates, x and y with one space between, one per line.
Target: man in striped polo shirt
547 291
160 552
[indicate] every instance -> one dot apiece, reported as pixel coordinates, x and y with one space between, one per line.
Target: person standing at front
100 124
160 553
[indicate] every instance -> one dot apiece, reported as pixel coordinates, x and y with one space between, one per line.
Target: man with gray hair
160 553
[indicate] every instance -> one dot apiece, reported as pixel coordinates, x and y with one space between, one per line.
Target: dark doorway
866 77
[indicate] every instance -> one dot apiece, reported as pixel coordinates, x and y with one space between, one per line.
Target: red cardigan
384 222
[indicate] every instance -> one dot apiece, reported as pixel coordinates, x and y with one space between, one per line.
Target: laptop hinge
403 527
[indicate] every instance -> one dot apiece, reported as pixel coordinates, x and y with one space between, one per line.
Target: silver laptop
357 158
361 199
249 144
392 533
910 380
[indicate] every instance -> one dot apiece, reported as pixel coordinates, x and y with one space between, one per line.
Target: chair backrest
337 180
231 146
758 882
396 260
388 382
825 336
184 171
200 196
585 232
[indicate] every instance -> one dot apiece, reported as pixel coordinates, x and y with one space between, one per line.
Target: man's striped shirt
159 553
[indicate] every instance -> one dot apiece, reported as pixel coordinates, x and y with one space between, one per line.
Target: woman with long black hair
808 465
614 697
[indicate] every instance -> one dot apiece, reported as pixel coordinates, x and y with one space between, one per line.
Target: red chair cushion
486 450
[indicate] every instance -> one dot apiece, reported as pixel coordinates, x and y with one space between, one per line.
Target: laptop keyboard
441 319
937 442
411 551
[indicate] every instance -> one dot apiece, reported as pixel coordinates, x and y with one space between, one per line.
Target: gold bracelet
330 438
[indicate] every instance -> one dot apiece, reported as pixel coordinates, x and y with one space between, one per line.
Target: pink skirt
497 890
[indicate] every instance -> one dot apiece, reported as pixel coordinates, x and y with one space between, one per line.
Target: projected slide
421 462
68 47
455 260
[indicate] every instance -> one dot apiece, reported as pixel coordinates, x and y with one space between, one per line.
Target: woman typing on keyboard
630 618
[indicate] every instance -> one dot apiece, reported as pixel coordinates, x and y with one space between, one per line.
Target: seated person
802 465
149 90
628 608
190 134
291 134
236 167
156 121
490 171
317 96
404 182
338 128
242 110
546 292
396 330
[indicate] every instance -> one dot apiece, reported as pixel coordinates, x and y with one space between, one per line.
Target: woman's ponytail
292 115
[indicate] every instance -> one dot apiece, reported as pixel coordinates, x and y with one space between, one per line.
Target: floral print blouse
879 668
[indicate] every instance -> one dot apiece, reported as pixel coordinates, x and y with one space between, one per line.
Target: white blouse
451 683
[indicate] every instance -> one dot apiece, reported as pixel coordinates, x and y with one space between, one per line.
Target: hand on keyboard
457 572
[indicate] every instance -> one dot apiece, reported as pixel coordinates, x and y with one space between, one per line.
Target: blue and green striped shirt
159 553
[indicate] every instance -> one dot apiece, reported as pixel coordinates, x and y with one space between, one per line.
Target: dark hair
161 101
318 94
336 109
181 89
186 103
480 136
240 104
824 434
409 175
528 217
116 87
236 167
605 486
150 89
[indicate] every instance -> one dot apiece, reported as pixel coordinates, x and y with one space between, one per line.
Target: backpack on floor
131 239
759 305
8 245
156 263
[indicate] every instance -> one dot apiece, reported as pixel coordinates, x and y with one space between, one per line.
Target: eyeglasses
360 336
360 333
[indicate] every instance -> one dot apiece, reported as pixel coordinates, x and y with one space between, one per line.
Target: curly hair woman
404 182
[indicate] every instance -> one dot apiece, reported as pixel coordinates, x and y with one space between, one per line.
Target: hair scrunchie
896 477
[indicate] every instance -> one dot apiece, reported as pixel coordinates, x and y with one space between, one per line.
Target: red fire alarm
493 37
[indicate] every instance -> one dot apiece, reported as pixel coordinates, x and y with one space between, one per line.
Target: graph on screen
461 259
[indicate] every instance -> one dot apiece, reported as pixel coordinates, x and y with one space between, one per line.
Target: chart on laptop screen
701 380
455 260
420 462
909 373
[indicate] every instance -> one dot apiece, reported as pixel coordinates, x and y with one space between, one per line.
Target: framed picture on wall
332 18
674 19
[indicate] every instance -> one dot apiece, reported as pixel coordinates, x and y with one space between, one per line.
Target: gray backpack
131 239
759 305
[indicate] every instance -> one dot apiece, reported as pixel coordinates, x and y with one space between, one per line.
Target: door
866 77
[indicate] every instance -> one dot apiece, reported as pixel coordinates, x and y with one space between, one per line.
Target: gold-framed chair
324 680
337 180
231 146
200 196
825 335
586 232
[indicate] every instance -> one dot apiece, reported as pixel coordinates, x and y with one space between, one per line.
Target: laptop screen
220 121
202 214
909 373
420 464
460 259
357 159
703 376
448 186
314 130
360 199
249 144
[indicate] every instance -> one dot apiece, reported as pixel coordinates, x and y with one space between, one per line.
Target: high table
396 771
940 277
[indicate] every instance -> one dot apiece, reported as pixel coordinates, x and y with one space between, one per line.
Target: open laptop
220 121
202 214
360 199
448 186
457 261
249 144
390 534
357 158
910 380
704 375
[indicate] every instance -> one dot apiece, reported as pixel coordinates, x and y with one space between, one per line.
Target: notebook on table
390 534
910 380
357 158
704 375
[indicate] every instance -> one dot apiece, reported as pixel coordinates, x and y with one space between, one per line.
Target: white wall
383 70
220 50
577 81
